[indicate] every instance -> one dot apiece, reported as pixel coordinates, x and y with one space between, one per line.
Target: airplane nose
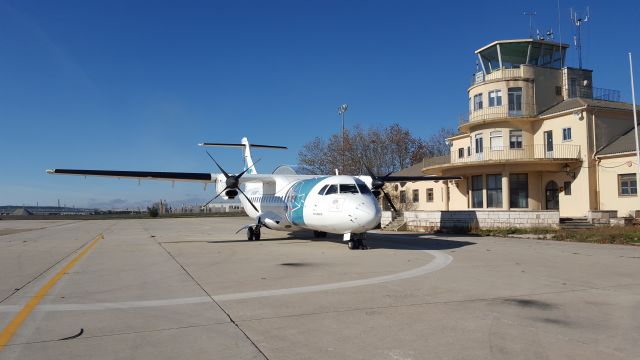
365 212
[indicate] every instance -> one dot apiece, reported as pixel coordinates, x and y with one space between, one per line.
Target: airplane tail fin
244 143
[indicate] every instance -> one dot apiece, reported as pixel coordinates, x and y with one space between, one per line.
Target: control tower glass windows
515 101
477 102
514 54
495 98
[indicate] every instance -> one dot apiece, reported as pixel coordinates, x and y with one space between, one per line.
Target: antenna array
577 41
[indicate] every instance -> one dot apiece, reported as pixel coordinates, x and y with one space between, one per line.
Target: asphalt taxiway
192 288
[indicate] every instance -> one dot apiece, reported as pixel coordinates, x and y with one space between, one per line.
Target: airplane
285 200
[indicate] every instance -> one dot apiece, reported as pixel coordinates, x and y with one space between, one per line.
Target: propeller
377 184
232 182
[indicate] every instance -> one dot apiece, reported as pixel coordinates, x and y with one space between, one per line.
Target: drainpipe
595 161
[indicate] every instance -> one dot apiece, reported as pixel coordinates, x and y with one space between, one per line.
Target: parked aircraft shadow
393 241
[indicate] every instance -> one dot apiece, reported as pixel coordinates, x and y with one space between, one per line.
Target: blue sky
135 85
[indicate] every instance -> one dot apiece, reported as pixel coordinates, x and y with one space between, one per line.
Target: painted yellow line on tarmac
13 326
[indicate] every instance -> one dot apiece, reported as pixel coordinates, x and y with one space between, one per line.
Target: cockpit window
321 192
364 189
348 189
333 189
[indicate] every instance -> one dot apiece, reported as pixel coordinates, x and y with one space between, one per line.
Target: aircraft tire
250 234
256 234
352 244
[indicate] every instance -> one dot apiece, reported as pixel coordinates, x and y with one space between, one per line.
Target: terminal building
539 140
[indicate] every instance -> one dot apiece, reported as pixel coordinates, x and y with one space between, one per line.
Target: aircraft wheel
353 245
250 234
256 234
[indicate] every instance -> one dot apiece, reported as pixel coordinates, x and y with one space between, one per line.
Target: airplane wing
157 175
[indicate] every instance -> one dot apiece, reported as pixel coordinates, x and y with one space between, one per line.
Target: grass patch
598 235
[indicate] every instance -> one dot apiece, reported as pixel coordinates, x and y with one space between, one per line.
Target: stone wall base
469 220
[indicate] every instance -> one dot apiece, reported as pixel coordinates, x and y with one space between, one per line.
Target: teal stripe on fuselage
296 197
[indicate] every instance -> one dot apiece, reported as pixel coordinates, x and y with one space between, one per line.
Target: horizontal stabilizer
243 145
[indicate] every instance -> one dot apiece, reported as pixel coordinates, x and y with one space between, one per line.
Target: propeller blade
218 165
220 193
249 200
247 169
386 196
369 171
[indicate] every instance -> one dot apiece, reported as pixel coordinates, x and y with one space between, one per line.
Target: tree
384 149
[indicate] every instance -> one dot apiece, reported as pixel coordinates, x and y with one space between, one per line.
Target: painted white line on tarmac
440 261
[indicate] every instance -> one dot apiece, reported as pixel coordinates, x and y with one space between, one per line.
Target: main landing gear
356 241
253 233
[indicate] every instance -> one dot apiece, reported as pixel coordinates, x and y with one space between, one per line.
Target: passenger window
348 189
333 189
321 192
364 189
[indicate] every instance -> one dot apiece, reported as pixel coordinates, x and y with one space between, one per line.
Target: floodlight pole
635 120
341 110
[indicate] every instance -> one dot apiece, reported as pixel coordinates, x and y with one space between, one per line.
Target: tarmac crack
214 301
122 333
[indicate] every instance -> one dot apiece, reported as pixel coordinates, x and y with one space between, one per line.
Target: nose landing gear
356 241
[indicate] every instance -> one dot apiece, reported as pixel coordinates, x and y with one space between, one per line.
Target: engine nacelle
231 194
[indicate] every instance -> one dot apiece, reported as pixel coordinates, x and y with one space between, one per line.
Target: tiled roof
416 169
624 144
578 103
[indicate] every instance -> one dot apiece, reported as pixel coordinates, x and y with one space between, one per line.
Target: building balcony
500 155
588 92
505 111
522 72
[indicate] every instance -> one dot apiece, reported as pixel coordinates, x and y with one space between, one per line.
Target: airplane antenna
577 41
530 14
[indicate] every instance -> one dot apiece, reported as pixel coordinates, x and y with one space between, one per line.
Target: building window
415 194
558 91
566 134
495 140
403 197
495 98
468 150
515 101
494 191
519 191
567 187
479 143
515 139
430 195
476 191
627 185
477 102
460 153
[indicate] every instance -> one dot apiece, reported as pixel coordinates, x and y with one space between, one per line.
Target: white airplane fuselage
332 204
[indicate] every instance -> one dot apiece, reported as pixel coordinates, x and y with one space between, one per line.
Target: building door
515 101
548 144
551 194
479 146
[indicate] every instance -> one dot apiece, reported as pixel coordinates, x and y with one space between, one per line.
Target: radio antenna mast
577 41
530 14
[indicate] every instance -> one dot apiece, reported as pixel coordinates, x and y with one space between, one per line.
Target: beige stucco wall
608 171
